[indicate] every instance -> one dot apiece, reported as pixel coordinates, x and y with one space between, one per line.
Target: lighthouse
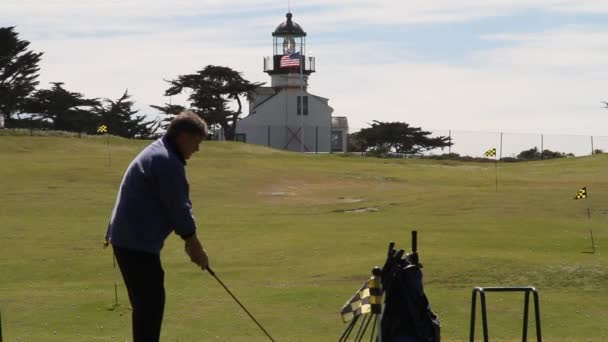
285 115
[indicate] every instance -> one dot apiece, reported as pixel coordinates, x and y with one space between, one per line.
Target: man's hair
188 122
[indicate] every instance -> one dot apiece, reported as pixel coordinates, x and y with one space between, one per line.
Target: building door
337 141
240 137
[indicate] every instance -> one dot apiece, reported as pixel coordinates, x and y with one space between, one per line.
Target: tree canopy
211 92
398 137
535 154
18 72
64 110
122 120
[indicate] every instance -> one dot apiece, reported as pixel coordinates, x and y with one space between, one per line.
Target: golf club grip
399 254
391 248
210 271
414 241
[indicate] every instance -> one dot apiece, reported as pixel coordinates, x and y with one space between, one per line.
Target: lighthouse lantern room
289 55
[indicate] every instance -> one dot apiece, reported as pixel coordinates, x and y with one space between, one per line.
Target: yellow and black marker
368 299
491 152
581 194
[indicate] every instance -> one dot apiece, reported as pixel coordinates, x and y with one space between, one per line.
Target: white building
285 115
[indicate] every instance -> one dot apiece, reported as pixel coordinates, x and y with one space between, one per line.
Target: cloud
547 82
551 81
561 50
75 15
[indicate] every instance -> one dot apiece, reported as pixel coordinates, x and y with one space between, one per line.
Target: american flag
292 60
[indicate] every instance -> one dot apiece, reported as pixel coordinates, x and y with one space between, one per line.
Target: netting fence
475 143
309 138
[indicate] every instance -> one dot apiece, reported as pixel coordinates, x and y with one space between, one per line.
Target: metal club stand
484 315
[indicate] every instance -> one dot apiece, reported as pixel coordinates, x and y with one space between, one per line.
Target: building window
299 105
302 105
240 137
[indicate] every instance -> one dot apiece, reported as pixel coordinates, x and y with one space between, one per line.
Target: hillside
275 227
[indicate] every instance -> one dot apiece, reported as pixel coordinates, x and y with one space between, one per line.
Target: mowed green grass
272 225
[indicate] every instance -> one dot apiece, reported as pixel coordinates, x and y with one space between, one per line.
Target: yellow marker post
492 153
582 194
104 129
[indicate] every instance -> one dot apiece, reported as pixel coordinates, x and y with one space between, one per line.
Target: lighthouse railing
272 63
310 64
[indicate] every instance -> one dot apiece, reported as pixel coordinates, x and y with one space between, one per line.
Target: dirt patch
358 210
350 200
276 193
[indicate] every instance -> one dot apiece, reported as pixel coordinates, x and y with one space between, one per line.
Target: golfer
153 201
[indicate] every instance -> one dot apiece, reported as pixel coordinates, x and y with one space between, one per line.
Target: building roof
264 90
339 122
289 28
320 98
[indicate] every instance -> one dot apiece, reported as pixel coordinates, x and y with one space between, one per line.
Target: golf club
239 303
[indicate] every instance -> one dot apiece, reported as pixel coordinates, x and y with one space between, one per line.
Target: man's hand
197 254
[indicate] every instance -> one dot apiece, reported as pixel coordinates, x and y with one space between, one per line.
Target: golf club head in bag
407 316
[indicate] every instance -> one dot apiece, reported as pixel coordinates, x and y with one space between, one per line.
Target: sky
521 66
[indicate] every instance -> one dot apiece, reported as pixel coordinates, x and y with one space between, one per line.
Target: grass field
273 225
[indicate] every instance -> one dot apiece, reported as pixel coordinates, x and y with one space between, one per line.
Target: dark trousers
144 277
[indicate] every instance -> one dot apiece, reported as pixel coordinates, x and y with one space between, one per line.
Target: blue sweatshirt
153 200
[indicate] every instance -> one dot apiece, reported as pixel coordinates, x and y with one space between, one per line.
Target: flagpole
104 129
590 229
589 221
492 153
496 169
582 194
113 256
108 146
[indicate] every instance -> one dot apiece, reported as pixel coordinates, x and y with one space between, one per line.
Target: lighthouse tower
285 115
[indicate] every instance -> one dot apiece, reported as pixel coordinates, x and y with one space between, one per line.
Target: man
152 202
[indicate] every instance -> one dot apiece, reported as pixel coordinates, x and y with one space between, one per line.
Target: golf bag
407 316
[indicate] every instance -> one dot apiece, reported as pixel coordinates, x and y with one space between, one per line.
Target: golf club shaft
239 303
